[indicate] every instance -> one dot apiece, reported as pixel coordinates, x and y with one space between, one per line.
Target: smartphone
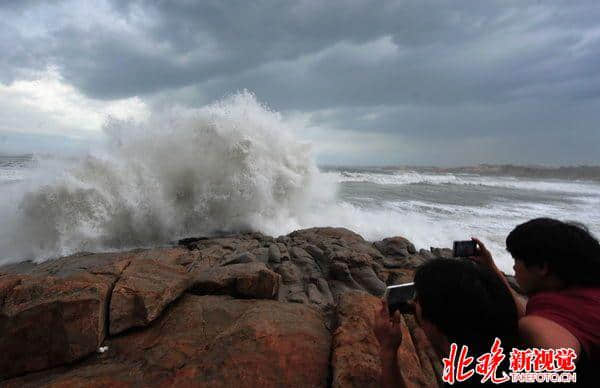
399 296
464 248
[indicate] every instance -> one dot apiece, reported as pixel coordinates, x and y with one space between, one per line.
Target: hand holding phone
399 297
483 257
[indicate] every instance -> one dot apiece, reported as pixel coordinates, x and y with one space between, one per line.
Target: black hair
468 303
569 249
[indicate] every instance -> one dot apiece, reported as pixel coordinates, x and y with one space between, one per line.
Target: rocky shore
295 311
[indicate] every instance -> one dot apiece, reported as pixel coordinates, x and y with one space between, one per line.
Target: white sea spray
230 166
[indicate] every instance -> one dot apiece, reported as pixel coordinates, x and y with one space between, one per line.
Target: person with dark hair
466 303
457 301
557 264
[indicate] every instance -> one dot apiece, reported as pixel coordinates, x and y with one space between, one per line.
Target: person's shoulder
541 332
566 301
545 301
588 294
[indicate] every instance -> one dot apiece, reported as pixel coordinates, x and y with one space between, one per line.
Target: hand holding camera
400 298
475 250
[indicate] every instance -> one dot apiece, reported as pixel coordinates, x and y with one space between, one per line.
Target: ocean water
433 209
236 166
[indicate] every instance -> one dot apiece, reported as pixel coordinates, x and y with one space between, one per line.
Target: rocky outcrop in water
296 310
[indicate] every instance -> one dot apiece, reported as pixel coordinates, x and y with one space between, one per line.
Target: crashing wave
233 165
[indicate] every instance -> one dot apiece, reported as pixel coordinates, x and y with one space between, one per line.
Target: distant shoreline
569 172
583 172
19 156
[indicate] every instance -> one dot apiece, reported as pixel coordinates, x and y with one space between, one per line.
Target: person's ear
544 270
539 270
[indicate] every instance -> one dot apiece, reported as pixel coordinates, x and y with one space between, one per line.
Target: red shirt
576 309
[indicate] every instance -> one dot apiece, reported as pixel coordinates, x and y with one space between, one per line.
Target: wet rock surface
48 321
214 341
296 310
144 289
249 280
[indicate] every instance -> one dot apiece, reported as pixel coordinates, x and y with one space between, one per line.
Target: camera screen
464 248
398 296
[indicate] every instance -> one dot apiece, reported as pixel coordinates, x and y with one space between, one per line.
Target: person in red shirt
557 265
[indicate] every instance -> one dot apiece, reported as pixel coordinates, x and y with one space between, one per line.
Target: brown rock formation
395 246
49 321
355 358
250 280
210 341
143 291
320 281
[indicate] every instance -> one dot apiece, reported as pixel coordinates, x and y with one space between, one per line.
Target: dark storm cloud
447 50
499 70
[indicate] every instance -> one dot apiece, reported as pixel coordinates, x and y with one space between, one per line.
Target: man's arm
543 333
520 300
484 257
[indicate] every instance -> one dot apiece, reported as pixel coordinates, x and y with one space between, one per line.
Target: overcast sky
368 82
